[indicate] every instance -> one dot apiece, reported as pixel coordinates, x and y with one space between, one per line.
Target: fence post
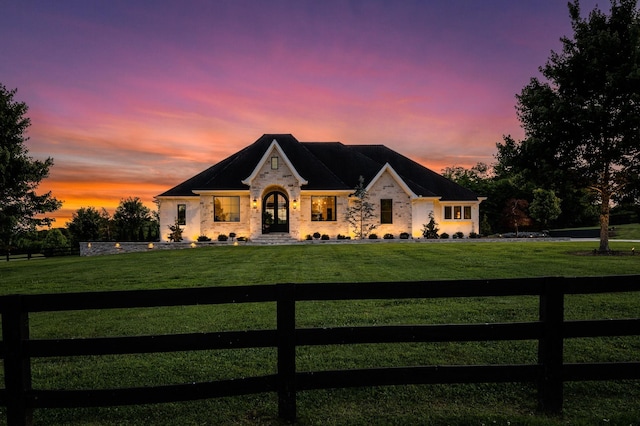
286 323
17 365
550 347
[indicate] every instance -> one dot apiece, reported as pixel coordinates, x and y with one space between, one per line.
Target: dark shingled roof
325 165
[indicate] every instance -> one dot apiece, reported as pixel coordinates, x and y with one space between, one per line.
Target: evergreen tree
20 175
360 211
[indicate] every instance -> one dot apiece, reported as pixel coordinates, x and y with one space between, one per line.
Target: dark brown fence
28 254
549 373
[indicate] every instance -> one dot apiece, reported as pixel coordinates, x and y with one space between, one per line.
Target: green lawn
629 231
585 403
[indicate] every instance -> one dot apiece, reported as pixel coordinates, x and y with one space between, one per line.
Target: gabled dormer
275 161
394 176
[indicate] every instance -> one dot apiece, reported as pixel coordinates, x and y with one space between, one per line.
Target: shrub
316 235
373 236
308 237
243 239
202 238
343 237
404 236
176 232
430 230
474 235
222 237
324 237
458 235
444 236
232 235
388 236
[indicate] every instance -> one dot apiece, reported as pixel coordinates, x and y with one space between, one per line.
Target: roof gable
388 169
423 182
268 153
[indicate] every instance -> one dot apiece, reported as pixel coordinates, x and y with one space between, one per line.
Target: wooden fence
27 254
549 373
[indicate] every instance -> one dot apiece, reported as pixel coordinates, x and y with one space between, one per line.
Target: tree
55 239
20 175
545 206
430 230
360 211
176 232
107 224
515 214
87 224
131 218
583 121
473 178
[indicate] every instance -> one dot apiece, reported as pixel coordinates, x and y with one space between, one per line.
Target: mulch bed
596 252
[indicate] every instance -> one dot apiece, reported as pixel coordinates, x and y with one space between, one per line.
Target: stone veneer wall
102 248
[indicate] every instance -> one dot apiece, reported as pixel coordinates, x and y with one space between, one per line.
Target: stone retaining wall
102 248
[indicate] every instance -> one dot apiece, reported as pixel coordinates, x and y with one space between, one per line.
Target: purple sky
132 97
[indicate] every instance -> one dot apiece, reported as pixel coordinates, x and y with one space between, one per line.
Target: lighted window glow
457 212
226 209
274 163
323 208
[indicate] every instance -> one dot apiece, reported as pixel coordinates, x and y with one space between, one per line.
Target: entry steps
274 238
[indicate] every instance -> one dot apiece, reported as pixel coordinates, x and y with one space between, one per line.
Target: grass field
586 403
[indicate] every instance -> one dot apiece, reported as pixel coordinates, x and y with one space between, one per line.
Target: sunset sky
131 97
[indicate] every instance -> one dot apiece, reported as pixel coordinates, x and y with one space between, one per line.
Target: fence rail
28 254
549 373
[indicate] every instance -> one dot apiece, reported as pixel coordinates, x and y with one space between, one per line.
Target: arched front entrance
275 212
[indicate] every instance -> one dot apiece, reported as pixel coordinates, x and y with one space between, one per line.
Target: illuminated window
226 209
182 214
323 208
274 163
457 212
386 210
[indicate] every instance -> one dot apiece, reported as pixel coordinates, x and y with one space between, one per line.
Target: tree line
578 163
131 221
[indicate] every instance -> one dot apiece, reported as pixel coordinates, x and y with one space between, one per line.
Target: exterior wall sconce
88 245
255 203
295 204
